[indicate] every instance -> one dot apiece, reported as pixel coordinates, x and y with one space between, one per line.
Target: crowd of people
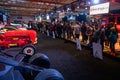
88 33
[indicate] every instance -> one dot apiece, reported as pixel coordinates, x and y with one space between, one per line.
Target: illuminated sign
100 9
61 15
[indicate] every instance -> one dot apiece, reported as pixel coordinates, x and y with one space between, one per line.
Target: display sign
61 15
100 9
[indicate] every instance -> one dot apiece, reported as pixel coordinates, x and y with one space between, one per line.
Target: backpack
113 37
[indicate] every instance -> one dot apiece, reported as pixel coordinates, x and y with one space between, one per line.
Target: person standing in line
64 30
102 37
77 34
83 32
113 39
52 29
68 30
47 29
77 30
59 29
89 33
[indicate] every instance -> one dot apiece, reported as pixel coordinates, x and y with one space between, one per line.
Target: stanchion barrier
97 51
78 44
53 34
48 34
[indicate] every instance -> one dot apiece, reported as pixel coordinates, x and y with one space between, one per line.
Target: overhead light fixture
42 14
47 17
68 8
78 7
39 19
58 11
86 8
89 3
96 1
52 13
36 19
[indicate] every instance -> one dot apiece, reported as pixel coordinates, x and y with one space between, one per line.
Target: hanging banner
97 51
100 9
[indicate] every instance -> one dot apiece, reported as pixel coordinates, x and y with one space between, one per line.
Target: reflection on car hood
3 30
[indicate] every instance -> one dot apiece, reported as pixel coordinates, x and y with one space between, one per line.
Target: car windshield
18 25
7 28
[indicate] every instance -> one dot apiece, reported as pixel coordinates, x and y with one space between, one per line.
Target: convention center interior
59 39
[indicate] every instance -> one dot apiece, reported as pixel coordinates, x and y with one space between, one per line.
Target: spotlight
96 1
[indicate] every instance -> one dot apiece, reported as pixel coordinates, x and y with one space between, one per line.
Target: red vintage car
10 36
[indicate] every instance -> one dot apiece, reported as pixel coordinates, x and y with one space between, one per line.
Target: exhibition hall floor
75 64
106 48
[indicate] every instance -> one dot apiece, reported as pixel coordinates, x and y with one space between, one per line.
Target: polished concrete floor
75 64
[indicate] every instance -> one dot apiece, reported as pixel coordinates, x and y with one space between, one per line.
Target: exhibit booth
106 13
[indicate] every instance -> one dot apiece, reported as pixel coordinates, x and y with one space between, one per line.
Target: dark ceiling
35 7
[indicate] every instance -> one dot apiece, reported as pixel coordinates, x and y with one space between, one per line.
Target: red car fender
4 44
17 37
30 33
21 42
2 37
1 42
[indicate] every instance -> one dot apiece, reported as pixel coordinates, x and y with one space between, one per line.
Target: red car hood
31 33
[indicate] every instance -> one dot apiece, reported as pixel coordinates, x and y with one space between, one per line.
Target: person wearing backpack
113 39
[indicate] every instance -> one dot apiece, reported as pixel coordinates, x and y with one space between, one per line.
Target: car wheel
49 74
28 50
40 60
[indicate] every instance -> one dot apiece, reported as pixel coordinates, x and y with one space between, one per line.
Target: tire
49 74
28 50
40 60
